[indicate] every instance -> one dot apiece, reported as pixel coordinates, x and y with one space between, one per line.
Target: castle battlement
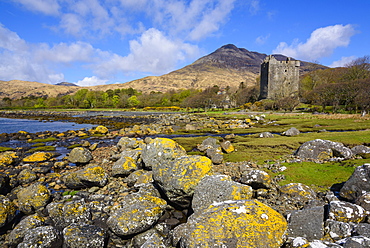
279 79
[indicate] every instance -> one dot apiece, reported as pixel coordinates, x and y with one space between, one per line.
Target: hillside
227 66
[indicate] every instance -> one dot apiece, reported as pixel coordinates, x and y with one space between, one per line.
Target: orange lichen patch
38 157
246 223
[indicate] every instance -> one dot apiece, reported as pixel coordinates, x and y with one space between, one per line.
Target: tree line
335 89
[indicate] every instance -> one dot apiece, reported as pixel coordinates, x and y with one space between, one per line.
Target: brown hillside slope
227 66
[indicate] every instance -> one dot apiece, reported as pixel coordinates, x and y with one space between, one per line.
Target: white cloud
47 7
260 40
322 43
153 53
342 62
91 81
254 7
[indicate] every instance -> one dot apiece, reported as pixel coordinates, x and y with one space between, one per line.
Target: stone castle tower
279 79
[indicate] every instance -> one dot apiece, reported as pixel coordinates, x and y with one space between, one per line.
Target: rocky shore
122 189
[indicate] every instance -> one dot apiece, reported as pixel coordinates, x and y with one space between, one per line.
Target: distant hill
227 66
66 84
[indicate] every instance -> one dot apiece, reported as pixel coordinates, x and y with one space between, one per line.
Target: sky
93 42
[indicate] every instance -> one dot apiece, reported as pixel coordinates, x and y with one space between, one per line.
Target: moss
38 144
4 149
50 139
74 146
71 193
42 148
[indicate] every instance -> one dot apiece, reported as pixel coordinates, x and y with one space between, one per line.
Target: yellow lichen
38 157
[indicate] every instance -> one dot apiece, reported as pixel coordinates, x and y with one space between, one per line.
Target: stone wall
279 79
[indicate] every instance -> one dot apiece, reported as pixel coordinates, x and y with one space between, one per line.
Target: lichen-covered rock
80 155
33 197
338 230
298 191
26 176
266 135
89 176
99 130
77 211
83 235
128 143
30 222
148 239
227 146
258 179
124 166
7 158
357 242
364 201
143 179
357 184
179 178
218 188
244 223
7 211
346 212
154 241
362 229
38 157
307 223
360 149
291 132
161 150
42 237
208 144
322 149
135 214
134 154
215 154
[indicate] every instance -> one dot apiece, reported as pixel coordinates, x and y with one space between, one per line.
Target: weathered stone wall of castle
279 79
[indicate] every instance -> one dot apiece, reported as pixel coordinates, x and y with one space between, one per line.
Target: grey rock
291 132
33 197
364 201
346 212
357 242
323 149
258 179
362 229
7 210
227 146
124 166
30 222
159 151
338 230
87 177
215 155
307 223
26 176
133 177
218 188
179 178
357 184
83 235
134 154
42 237
360 149
80 155
266 135
298 192
208 144
135 214
128 143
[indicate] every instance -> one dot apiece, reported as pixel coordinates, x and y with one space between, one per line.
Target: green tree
133 101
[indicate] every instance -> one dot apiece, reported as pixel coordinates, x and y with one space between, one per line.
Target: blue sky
92 42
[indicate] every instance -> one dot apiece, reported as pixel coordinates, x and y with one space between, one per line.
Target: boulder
208 144
16 236
364 201
136 213
215 155
243 223
362 229
291 132
33 197
124 166
38 157
218 188
134 154
160 151
42 236
128 143
80 155
89 176
26 176
361 149
258 179
298 191
338 230
322 149
100 130
266 135
357 242
7 210
227 146
346 212
83 235
7 158
357 184
179 178
307 223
